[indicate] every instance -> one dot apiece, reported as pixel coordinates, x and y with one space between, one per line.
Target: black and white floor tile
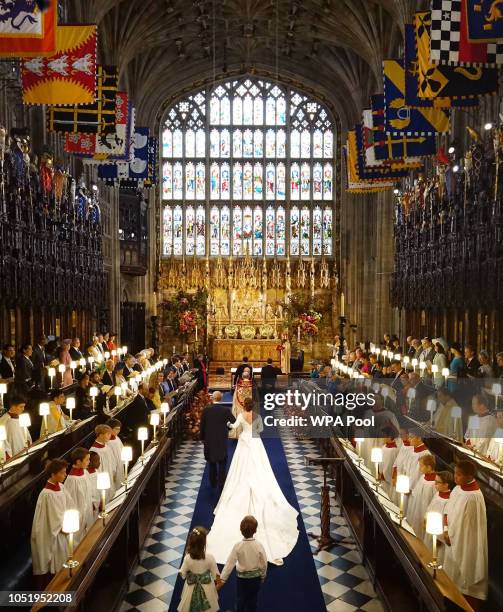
344 581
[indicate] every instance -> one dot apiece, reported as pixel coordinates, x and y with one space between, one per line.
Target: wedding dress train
251 488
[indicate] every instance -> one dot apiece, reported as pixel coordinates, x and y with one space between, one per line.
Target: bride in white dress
251 488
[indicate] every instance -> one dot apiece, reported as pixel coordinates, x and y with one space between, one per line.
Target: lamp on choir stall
411 396
498 437
124 388
414 363
435 527
70 405
114 352
473 425
376 457
133 384
126 457
398 357
25 422
3 391
434 369
117 393
368 382
107 354
73 365
154 421
93 392
82 362
372 347
119 352
406 361
455 415
71 525
403 487
61 370
376 388
44 413
103 485
384 353
90 361
52 374
496 389
431 406
445 374
3 440
359 448
378 351
164 362
142 436
422 368
164 412
124 350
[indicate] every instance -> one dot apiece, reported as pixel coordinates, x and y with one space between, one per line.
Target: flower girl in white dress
199 570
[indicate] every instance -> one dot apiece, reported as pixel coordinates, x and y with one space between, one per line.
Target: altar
232 350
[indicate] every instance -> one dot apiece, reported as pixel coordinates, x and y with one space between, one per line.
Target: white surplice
437 504
399 465
116 446
107 464
389 455
466 559
49 545
495 451
92 474
480 438
79 485
15 442
419 500
411 469
251 488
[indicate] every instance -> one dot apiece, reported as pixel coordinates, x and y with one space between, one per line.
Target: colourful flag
448 81
68 76
97 118
365 172
353 183
25 31
484 20
449 42
412 79
400 118
137 171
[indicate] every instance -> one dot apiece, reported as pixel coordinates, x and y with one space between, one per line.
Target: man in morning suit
240 369
214 434
268 377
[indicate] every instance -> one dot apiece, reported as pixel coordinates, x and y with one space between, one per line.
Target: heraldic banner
25 31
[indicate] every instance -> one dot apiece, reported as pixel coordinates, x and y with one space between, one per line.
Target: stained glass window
234 174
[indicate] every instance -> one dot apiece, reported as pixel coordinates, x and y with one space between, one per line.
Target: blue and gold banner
401 118
365 172
484 20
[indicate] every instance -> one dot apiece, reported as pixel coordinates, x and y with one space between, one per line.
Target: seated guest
315 372
499 365
153 402
375 367
466 559
472 364
410 348
140 359
38 359
171 382
108 377
57 420
495 449
104 344
177 364
95 378
421 495
112 342
418 348
185 362
396 373
440 360
93 350
49 545
83 402
163 385
75 352
395 345
479 438
116 446
79 485
129 363
268 377
485 369
443 485
15 442
108 462
7 363
65 359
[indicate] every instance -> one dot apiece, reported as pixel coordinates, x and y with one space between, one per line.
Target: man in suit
396 372
411 351
214 434
185 362
128 366
240 369
75 352
428 352
268 377
7 364
472 363
39 360
24 370
202 372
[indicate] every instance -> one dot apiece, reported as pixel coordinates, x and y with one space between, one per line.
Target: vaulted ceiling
334 47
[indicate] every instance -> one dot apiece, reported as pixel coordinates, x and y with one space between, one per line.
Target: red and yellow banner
68 76
25 31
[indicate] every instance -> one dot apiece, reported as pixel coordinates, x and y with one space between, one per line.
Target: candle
196 333
126 457
142 436
342 304
93 392
402 487
70 404
124 350
431 406
103 485
174 349
25 422
164 411
376 457
52 374
73 365
44 413
445 374
435 527
414 363
359 447
298 334
496 388
154 421
422 367
455 415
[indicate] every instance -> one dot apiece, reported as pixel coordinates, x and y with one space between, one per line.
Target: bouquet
187 322
308 322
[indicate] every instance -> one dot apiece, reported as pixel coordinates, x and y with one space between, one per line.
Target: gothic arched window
226 156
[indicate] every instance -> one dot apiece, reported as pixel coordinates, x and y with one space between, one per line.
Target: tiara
196 531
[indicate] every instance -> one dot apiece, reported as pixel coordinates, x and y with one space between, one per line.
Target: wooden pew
396 559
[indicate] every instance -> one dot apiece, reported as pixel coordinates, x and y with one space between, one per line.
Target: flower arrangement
308 322
187 322
185 311
192 418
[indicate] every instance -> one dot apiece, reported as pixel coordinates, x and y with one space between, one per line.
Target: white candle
376 457
52 374
342 304
142 436
298 334
25 422
44 413
174 349
402 487
70 404
196 333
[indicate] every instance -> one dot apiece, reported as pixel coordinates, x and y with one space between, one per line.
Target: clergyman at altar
214 434
285 350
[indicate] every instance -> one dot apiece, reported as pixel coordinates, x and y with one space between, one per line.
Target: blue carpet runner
293 587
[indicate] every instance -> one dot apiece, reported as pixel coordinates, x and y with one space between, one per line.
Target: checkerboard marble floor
344 581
